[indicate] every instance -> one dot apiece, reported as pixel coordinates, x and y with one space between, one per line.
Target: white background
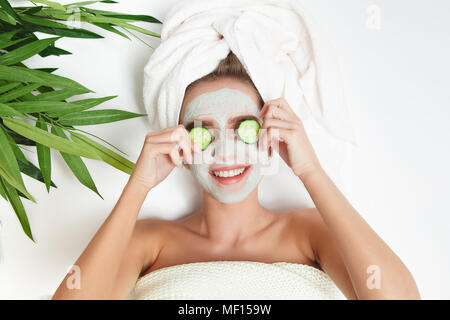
397 85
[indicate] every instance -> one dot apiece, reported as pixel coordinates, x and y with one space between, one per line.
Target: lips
230 180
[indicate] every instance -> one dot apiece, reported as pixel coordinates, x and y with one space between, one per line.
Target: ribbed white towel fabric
240 280
277 41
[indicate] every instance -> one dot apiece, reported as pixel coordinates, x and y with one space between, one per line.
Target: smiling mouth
231 174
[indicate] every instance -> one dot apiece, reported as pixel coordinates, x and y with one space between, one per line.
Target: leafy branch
34 110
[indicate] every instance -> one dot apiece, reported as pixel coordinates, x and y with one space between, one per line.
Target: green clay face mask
227 185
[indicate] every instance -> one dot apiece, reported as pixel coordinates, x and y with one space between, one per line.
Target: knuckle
271 106
272 109
179 132
150 134
181 128
148 139
278 100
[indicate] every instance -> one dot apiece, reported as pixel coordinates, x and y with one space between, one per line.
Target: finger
175 156
273 135
279 135
169 134
181 137
176 135
274 111
169 149
262 140
277 123
282 104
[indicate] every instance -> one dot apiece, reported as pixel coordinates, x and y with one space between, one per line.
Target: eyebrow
233 121
205 123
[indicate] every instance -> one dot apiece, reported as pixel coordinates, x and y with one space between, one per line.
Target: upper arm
325 252
141 252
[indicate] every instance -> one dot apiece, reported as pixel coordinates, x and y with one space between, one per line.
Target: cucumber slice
248 131
201 136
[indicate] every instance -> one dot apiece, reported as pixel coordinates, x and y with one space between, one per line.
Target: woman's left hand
291 141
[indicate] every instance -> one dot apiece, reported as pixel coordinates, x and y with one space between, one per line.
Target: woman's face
227 168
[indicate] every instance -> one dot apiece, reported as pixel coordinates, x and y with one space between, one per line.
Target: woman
232 225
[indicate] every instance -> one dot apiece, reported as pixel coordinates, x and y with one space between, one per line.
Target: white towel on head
277 42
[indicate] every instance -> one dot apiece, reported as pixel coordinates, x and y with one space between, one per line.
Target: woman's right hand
160 155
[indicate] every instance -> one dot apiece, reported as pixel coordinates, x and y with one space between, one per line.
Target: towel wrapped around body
240 280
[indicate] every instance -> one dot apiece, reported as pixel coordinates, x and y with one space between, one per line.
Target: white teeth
228 173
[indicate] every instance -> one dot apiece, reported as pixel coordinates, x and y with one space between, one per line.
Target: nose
225 147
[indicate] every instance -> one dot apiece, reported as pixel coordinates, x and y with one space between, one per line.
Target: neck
228 224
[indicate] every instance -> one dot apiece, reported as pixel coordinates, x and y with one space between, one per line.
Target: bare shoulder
308 218
310 229
148 239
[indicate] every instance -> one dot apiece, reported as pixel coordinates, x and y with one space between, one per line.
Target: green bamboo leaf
107 155
66 32
40 106
77 165
125 17
85 3
96 117
10 179
50 140
6 36
44 159
33 172
48 70
3 193
102 140
17 152
45 89
80 105
53 14
9 168
26 51
9 10
17 205
9 86
50 93
136 28
110 20
54 95
7 18
57 28
29 10
19 92
53 51
23 74
134 17
42 22
6 44
51 4
18 139
110 28
6 111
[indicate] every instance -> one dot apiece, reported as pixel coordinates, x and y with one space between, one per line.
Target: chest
274 245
